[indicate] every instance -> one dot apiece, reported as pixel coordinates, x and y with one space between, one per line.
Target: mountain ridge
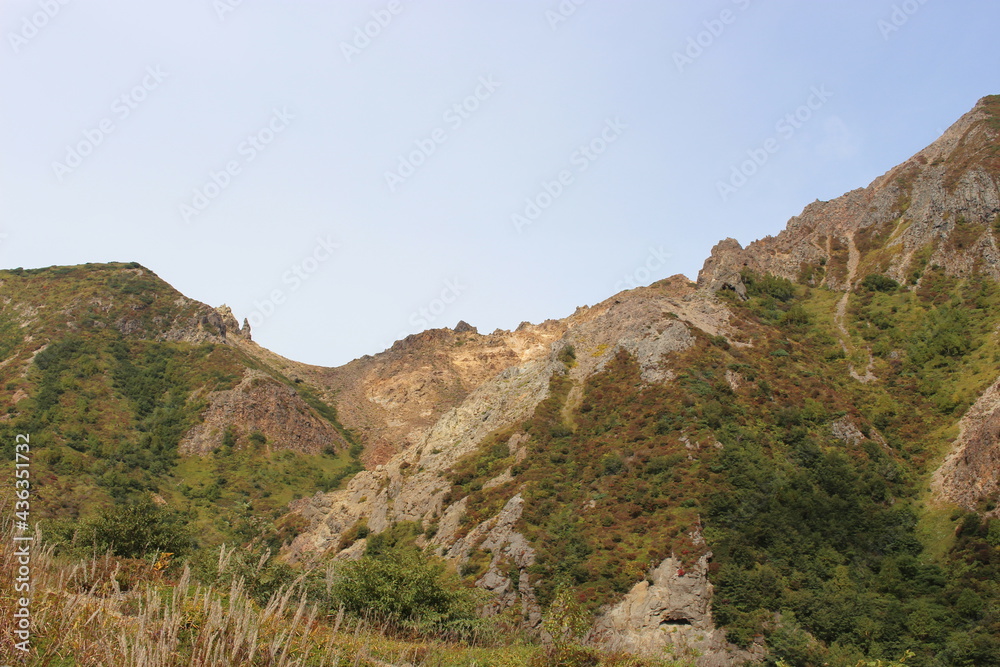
953 175
757 465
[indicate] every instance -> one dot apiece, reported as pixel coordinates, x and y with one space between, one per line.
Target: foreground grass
141 613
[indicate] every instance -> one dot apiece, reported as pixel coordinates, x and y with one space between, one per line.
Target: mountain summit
937 208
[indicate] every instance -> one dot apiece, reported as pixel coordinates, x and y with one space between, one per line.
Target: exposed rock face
413 484
207 325
393 399
260 403
970 475
670 612
722 268
845 430
510 551
650 323
232 326
938 207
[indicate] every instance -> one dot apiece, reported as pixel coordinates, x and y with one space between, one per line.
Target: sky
346 173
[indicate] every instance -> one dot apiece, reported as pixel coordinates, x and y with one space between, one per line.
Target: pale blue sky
309 118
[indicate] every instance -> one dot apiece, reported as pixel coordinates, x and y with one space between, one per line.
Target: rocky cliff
261 405
970 475
940 207
393 399
670 612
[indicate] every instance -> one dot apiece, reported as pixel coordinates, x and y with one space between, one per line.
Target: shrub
133 531
796 316
229 438
407 589
767 285
611 464
876 282
568 356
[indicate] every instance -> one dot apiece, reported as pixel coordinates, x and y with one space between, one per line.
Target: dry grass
110 611
115 612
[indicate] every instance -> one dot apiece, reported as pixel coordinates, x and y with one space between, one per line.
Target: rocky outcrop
510 553
205 325
232 326
670 613
970 474
261 404
844 429
722 268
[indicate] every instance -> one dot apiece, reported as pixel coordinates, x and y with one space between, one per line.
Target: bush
876 282
767 285
256 566
567 355
796 316
611 464
407 589
133 531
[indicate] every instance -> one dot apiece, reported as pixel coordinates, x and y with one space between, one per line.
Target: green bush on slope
407 589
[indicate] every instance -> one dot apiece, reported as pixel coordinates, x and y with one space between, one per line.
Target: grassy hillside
825 547
107 397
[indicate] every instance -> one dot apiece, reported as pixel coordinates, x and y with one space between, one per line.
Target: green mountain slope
108 368
807 486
